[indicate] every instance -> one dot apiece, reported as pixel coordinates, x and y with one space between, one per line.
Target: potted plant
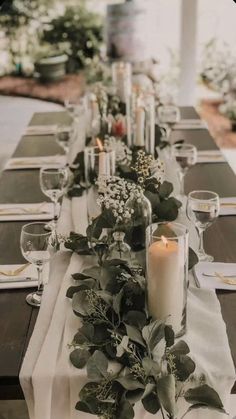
50 63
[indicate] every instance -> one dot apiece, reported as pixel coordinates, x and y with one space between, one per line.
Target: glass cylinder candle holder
98 164
122 79
122 83
143 117
167 271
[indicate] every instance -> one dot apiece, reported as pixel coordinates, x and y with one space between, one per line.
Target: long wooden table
17 319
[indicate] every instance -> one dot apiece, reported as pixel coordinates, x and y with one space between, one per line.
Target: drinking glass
203 208
64 136
75 106
185 156
37 247
168 116
53 183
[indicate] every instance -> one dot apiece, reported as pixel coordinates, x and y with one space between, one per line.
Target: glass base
34 299
204 257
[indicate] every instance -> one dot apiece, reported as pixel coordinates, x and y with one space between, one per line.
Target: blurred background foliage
32 29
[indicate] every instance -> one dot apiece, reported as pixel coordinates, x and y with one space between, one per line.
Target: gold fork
229 281
16 271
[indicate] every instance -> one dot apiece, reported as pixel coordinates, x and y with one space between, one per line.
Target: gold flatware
228 204
16 271
229 281
214 275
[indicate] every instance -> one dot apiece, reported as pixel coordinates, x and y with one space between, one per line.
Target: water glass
38 247
168 116
53 183
185 156
203 208
64 136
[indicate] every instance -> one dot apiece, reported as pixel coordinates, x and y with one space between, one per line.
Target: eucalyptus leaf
135 318
94 272
166 393
79 357
85 334
204 395
185 366
180 348
125 411
165 189
122 347
134 334
153 333
87 406
97 366
151 367
80 304
151 403
169 336
129 382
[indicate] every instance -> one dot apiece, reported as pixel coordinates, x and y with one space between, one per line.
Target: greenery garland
129 357
148 366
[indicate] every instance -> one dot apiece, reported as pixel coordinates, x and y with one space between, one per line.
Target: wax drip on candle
164 240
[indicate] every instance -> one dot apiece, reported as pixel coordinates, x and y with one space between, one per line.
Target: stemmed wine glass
203 208
185 156
53 183
64 136
168 116
37 247
75 106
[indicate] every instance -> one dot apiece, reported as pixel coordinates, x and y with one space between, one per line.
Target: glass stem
55 217
201 246
40 279
181 178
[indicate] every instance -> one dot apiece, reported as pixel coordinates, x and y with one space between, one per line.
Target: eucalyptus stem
162 413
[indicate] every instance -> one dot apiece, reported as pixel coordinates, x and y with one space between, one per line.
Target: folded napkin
27 278
41 130
210 156
228 206
203 269
190 124
26 212
17 163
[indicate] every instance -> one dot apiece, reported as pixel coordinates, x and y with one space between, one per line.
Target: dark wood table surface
17 319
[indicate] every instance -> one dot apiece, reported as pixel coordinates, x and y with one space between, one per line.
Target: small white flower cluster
123 153
158 170
116 192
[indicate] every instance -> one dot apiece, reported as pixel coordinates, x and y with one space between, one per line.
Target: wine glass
203 208
37 247
75 106
64 136
168 116
185 156
53 183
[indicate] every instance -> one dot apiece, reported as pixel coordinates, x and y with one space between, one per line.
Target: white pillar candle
102 164
166 282
140 126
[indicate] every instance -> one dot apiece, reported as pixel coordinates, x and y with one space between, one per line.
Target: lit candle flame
99 144
164 240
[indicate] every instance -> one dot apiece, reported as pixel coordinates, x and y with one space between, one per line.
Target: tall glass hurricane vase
167 269
141 217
